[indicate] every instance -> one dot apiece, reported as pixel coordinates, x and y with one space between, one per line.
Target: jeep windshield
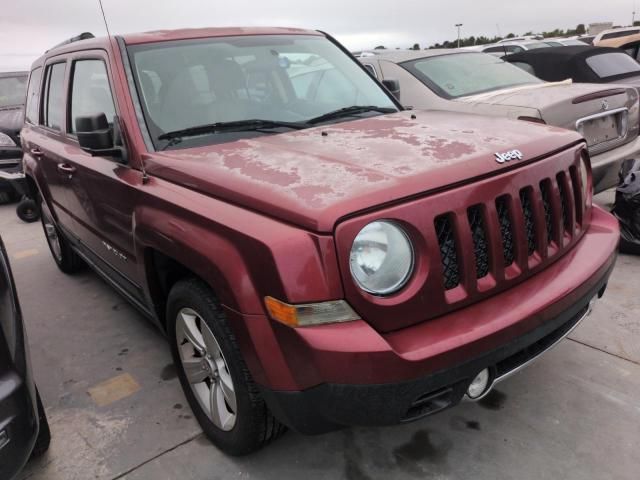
466 74
13 90
215 90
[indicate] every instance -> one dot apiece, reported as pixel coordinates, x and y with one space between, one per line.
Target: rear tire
65 257
44 435
220 382
28 210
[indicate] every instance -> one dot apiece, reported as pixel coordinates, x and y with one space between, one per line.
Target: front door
101 192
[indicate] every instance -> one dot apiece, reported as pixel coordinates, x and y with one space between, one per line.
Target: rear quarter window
53 115
33 96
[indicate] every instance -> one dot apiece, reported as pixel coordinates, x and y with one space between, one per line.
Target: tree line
483 40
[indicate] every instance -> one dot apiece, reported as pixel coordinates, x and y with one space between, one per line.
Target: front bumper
18 424
10 162
317 379
606 165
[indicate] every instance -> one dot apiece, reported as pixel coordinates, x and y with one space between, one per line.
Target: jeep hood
314 177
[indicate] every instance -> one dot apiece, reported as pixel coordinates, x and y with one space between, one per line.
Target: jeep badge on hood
509 156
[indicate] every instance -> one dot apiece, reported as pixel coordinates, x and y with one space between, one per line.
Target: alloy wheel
52 237
206 369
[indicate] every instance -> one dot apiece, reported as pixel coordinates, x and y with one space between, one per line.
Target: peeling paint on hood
314 177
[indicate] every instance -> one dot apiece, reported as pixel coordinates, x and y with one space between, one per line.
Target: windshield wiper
349 111
236 126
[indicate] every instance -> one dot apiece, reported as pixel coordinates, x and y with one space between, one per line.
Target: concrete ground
117 411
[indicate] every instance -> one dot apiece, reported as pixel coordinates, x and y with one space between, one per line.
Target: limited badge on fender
509 156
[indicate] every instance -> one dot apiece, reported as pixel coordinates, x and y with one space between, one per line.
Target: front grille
539 222
506 230
448 252
545 187
480 245
529 223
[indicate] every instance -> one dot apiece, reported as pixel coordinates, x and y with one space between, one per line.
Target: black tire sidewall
22 210
242 438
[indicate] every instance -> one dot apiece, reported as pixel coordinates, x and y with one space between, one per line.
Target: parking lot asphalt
117 411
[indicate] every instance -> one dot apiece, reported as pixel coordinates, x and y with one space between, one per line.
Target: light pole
458 25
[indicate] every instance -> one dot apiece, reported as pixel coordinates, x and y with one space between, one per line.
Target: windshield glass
612 64
464 74
281 78
13 90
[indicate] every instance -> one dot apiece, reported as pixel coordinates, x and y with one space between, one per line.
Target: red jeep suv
317 256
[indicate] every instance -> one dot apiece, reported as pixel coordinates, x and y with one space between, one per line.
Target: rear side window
612 64
33 96
53 115
90 91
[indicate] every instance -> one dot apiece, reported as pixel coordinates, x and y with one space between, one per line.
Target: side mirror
393 86
96 136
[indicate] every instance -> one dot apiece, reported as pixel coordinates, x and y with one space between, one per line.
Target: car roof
399 56
560 63
170 35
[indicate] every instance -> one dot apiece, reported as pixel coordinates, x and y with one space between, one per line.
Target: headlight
6 141
381 259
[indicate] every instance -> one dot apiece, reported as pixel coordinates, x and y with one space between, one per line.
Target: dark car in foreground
318 256
13 88
24 431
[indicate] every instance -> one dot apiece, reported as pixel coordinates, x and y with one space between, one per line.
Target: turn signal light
309 314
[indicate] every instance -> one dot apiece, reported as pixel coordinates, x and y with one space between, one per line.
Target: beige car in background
629 43
472 82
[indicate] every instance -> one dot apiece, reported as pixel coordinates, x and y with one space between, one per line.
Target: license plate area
604 127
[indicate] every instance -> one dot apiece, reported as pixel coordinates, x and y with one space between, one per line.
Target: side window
54 96
33 96
371 69
90 93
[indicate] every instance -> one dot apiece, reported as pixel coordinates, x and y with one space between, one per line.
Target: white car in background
507 48
615 33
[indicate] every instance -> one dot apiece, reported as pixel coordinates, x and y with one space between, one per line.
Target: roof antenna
145 177
104 17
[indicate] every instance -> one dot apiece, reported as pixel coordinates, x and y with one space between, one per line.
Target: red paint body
276 216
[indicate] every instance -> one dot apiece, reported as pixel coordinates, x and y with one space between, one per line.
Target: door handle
36 152
66 169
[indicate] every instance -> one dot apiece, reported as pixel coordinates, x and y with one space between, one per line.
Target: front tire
218 386
65 257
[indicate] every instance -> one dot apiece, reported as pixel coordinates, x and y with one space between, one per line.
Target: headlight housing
382 258
6 140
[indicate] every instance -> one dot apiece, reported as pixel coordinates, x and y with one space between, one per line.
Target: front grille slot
577 200
506 230
545 190
479 236
564 201
448 251
529 221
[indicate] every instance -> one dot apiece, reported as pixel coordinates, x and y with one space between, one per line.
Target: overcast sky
28 27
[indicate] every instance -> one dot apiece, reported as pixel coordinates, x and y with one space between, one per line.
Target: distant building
596 28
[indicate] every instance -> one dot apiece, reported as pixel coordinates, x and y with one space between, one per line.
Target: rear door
45 141
101 193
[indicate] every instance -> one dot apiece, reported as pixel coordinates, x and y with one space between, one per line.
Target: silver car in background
472 82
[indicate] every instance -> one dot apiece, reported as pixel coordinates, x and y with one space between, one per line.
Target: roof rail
77 38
